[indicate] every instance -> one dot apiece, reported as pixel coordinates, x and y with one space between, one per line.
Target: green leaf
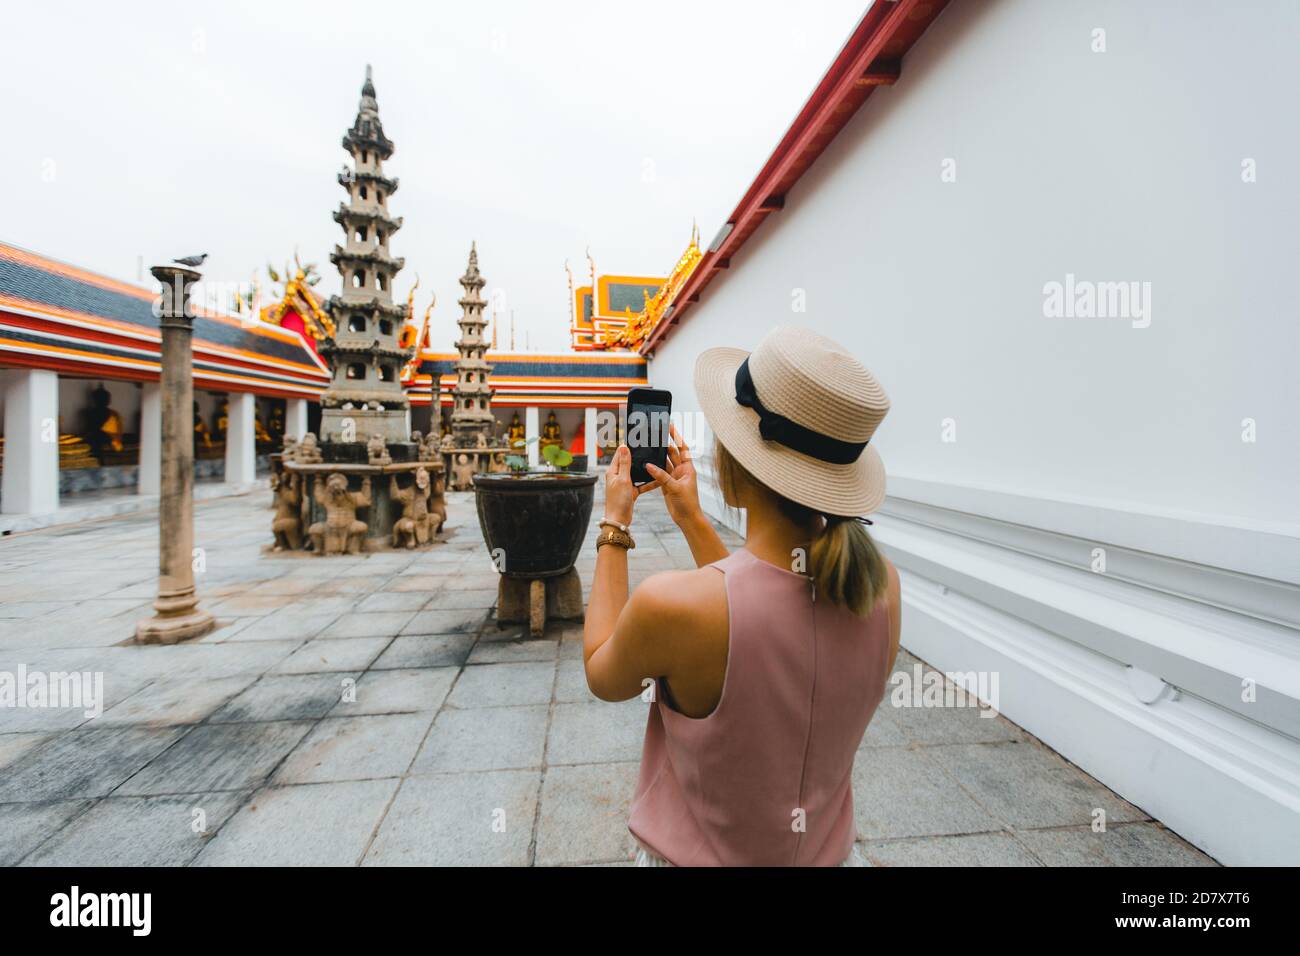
564 459
551 453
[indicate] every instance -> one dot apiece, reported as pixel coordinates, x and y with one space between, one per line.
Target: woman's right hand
681 493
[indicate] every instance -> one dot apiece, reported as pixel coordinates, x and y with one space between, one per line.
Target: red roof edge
871 57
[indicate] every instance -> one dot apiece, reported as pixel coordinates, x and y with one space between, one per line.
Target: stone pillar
150 480
589 431
31 465
241 438
532 431
295 417
177 616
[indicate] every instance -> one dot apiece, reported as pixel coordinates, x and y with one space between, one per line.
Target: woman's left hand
620 493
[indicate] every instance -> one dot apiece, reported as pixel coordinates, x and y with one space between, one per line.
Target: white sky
537 129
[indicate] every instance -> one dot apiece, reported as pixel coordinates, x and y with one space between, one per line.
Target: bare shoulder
679 596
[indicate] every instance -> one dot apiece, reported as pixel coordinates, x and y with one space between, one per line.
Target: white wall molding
1223 782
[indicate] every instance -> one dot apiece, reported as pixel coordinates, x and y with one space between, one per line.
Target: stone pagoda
365 396
368 482
472 423
472 447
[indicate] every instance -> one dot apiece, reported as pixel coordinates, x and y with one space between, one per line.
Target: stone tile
286 585
333 654
447 621
172 701
584 814
287 697
425 650
488 738
398 691
503 652
13 746
503 685
24 826
980 849
356 748
290 624
393 601
460 600
83 763
368 624
597 732
218 757
883 731
318 824
459 819
951 725
472 581
571 683
139 831
256 605
1127 844
1026 785
900 792
425 584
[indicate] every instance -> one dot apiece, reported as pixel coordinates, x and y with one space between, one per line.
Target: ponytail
846 566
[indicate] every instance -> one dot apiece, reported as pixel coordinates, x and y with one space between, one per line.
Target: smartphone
646 433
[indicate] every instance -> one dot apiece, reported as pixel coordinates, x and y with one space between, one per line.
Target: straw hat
798 413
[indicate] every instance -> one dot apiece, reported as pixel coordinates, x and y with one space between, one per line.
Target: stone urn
534 524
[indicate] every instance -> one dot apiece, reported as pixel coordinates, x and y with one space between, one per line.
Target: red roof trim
872 57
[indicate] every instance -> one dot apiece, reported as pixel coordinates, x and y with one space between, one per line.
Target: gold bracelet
619 539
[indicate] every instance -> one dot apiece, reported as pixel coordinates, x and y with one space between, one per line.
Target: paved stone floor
369 711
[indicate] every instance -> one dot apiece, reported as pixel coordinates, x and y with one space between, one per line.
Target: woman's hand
620 493
681 493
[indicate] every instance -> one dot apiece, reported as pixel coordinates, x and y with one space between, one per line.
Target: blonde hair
846 566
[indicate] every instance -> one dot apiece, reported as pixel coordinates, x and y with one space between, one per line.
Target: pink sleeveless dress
765 780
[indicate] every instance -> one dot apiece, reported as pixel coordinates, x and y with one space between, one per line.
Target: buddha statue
74 452
516 431
223 419
106 429
550 432
202 437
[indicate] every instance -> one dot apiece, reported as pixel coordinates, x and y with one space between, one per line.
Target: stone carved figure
437 503
287 523
309 450
290 450
341 531
417 524
498 463
462 472
377 451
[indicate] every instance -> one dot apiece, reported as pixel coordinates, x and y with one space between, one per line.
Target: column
241 439
532 432
150 480
589 432
178 616
31 466
295 417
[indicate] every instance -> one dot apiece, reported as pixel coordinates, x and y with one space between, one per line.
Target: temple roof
57 316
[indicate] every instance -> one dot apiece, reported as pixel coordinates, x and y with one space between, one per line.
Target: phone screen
648 411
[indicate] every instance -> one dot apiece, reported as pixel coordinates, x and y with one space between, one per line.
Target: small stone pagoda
368 482
472 445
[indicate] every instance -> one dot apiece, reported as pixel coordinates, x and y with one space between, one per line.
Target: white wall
1123 165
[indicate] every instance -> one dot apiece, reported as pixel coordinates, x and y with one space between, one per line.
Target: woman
766 664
